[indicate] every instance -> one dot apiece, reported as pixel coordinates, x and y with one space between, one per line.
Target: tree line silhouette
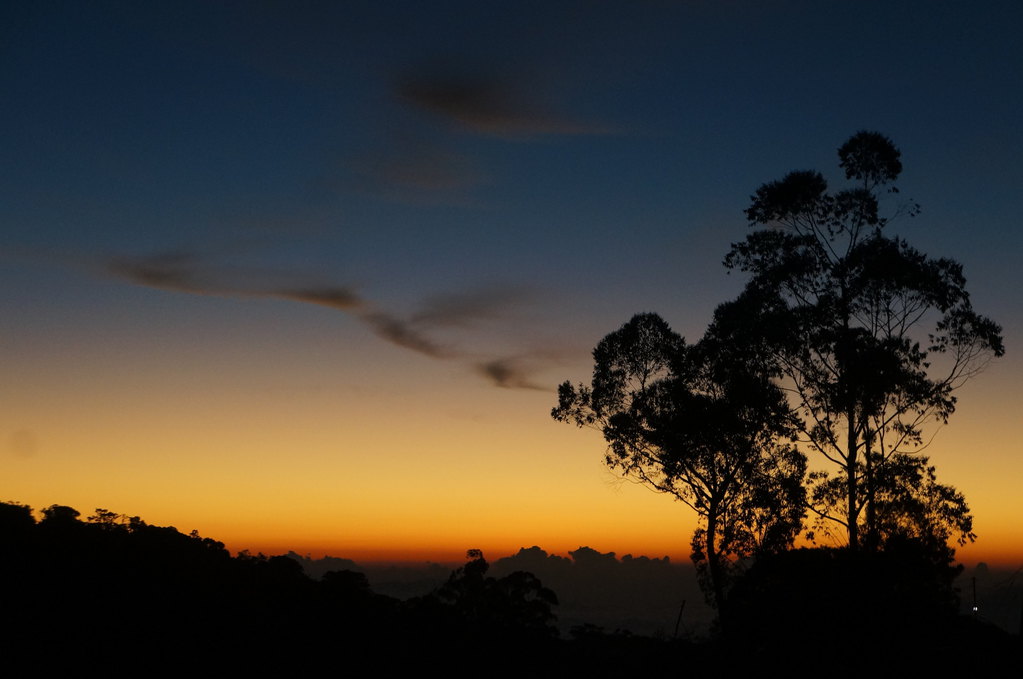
115 592
116 595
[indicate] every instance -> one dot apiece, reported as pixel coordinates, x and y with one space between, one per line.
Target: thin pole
679 621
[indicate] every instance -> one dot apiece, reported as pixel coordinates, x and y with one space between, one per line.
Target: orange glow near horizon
405 470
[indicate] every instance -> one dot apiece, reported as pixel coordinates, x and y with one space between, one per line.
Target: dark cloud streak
404 334
487 104
507 373
173 270
338 298
184 271
462 309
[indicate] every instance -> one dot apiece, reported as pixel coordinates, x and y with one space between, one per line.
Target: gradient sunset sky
306 275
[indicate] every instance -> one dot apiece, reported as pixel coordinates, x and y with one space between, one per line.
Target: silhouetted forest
115 594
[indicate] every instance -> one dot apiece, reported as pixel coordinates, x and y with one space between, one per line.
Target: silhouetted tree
516 603
700 423
109 520
909 504
60 514
870 336
15 516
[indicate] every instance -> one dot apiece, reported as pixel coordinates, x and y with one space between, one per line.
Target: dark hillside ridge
124 598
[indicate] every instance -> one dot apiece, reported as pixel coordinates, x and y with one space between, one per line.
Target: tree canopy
517 603
869 336
846 342
699 423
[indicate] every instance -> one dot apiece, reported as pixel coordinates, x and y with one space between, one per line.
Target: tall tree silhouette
517 603
701 423
870 336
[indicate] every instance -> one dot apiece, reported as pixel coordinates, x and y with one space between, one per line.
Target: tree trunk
850 459
847 375
714 566
872 538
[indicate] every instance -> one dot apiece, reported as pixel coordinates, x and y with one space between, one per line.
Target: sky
307 275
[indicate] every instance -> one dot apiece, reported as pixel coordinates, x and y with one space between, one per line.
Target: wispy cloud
465 308
171 270
342 299
508 373
405 334
189 272
488 104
